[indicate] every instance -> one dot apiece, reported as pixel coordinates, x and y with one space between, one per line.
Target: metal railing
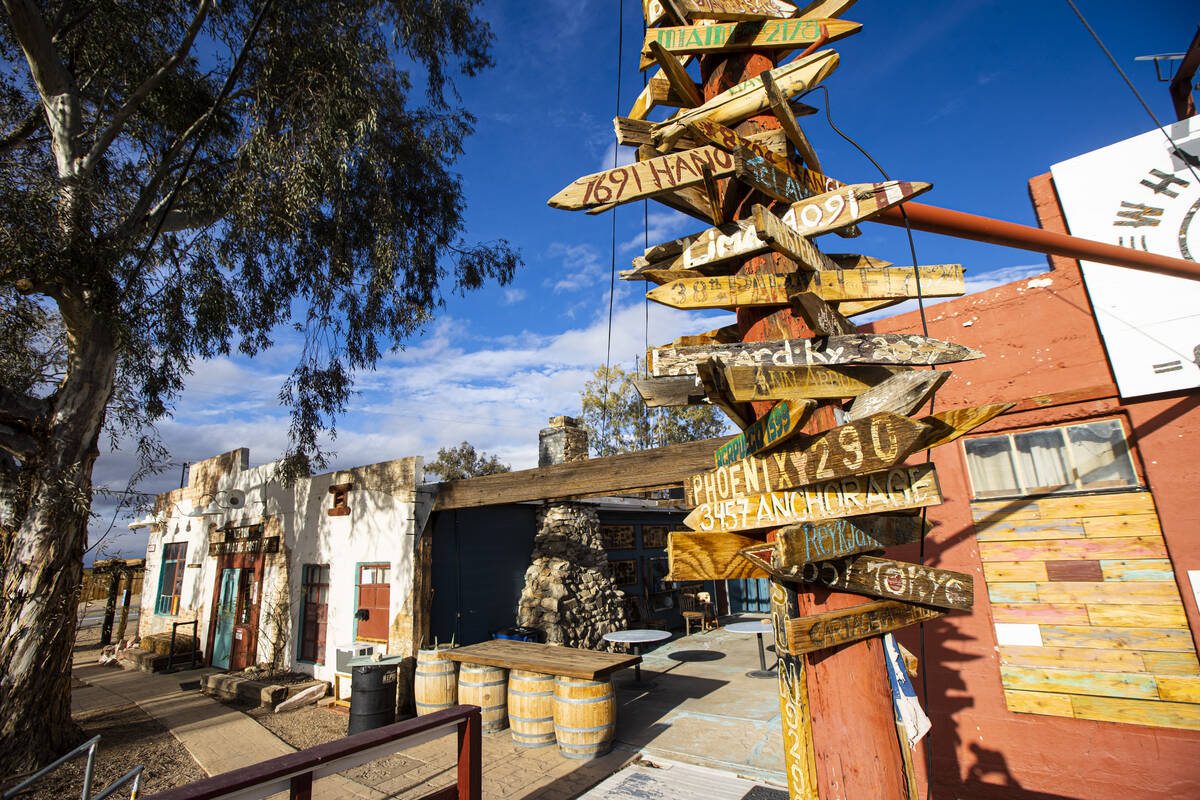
295 772
175 626
89 747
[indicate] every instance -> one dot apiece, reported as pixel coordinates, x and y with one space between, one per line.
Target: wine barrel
585 717
484 686
436 682
372 697
531 708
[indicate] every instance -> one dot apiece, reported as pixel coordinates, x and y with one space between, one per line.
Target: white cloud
662 225
579 267
624 155
513 296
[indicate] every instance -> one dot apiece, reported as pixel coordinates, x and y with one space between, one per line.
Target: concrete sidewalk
218 737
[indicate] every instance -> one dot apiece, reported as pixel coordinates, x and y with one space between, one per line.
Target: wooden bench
547 659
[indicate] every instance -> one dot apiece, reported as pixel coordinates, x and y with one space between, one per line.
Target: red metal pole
932 219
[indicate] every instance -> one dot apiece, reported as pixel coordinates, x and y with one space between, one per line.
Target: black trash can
372 697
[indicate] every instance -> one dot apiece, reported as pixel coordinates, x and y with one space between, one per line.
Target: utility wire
612 276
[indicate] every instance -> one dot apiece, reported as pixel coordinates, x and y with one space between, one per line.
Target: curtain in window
1042 460
991 466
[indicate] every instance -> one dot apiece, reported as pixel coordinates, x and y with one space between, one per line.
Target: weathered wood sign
712 378
693 556
705 130
853 203
894 580
748 98
655 12
899 394
857 348
782 421
872 283
820 631
962 421
856 260
769 289
734 9
643 179
878 492
727 291
869 445
822 318
752 384
777 235
797 545
760 174
729 37
676 74
791 127
682 390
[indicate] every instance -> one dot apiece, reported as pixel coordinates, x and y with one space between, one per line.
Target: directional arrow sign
644 179
962 421
808 634
783 420
689 289
894 580
807 542
749 98
734 9
694 556
852 203
878 442
733 36
857 348
752 384
899 394
878 492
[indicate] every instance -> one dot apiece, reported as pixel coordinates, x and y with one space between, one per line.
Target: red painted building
1076 674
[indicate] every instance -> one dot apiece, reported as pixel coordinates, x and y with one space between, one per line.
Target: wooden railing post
301 788
470 756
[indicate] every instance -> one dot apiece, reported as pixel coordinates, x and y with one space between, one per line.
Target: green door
226 609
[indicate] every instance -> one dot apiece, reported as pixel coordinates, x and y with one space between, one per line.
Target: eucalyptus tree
181 180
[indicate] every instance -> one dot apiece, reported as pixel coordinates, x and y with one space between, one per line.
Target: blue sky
975 96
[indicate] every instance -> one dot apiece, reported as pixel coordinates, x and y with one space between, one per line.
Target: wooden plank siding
1093 574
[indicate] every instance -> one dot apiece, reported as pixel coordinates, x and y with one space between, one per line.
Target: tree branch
18 408
119 119
54 83
23 130
20 446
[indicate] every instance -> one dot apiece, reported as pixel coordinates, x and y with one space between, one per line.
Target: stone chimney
563 441
569 594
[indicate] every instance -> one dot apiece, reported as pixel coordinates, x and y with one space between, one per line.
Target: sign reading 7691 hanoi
1142 193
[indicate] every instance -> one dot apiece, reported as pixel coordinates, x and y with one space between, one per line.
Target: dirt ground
310 726
128 737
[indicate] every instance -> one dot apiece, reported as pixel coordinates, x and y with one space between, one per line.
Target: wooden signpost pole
843 693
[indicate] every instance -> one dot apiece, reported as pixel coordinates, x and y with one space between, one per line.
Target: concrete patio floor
702 708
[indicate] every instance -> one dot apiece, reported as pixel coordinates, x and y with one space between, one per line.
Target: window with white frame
1087 457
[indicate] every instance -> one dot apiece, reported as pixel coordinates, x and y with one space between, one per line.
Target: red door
374 595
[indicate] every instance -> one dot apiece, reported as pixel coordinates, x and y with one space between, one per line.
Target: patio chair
693 611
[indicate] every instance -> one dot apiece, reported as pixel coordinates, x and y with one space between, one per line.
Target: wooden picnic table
543 658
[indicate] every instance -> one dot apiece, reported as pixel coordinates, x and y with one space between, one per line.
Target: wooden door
374 602
226 611
245 624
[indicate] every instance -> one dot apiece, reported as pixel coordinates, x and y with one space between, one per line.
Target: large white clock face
1142 193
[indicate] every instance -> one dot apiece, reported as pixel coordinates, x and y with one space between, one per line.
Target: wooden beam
627 472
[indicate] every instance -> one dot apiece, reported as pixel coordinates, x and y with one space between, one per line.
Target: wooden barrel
531 708
436 683
484 686
585 717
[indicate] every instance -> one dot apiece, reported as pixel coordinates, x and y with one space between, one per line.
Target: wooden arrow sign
869 445
848 204
797 545
729 37
894 580
899 394
749 98
734 9
878 492
753 384
785 419
643 179
808 634
693 556
855 260
777 235
684 390
859 348
822 318
960 421
768 289
758 173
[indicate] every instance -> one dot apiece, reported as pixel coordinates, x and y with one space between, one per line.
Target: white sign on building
1142 193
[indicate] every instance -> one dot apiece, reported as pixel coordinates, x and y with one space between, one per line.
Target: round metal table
758 627
637 638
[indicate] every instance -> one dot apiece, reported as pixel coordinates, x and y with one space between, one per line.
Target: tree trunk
44 568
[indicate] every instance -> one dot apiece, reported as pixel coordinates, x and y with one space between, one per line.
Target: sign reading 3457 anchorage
890 490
